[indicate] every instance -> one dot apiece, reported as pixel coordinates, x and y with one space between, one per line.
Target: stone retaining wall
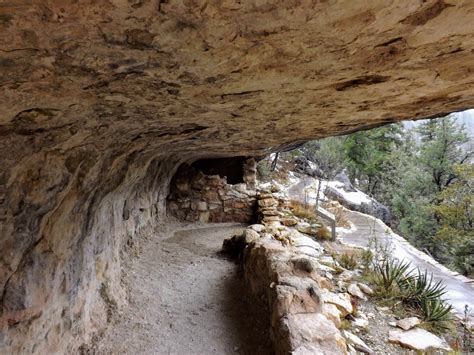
281 268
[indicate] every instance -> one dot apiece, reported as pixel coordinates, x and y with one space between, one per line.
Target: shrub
420 293
302 211
323 233
420 288
339 214
435 310
348 261
391 273
263 170
367 258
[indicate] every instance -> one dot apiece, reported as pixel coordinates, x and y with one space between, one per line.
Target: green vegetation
408 293
424 175
347 261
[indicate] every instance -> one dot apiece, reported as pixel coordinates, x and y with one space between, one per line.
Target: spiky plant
392 272
421 287
436 310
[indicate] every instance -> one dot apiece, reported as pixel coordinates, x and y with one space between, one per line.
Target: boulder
250 236
312 333
306 228
417 339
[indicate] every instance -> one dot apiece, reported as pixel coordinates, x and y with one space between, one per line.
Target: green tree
455 213
327 153
420 198
441 150
369 155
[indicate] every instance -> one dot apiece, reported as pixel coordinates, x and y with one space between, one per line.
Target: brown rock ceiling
101 100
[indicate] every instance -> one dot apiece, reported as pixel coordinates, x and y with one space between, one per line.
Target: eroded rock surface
102 101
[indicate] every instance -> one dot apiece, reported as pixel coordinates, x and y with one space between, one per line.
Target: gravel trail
186 298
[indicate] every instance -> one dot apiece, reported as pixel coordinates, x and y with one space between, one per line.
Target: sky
463 117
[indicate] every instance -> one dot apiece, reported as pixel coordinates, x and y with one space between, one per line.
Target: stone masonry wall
195 196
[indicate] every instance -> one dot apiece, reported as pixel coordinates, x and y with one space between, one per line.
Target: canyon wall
101 101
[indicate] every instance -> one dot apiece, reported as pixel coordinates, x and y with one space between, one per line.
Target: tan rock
341 300
332 313
356 342
417 339
212 196
204 217
366 289
291 300
268 202
289 222
271 218
326 284
313 332
408 323
355 291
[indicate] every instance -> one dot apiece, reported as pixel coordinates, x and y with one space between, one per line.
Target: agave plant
392 272
435 310
422 287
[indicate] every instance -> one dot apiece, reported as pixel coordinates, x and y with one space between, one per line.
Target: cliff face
101 101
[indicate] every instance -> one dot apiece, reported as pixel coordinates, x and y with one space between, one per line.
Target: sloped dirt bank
186 298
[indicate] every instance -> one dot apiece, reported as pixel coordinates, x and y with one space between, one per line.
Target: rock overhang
102 101
214 74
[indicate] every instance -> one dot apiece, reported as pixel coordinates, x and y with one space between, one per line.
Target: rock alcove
214 190
102 102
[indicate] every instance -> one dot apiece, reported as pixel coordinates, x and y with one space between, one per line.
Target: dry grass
300 210
338 211
347 261
323 233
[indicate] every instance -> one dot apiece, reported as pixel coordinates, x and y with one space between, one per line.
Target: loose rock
356 342
355 291
417 339
408 323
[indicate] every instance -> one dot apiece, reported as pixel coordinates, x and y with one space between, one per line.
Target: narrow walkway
459 291
188 299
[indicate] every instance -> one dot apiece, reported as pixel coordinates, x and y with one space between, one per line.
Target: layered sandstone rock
101 101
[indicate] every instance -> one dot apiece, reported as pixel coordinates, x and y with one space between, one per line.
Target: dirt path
459 291
188 299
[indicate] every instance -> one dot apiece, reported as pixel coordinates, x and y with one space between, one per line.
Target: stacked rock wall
195 196
281 268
